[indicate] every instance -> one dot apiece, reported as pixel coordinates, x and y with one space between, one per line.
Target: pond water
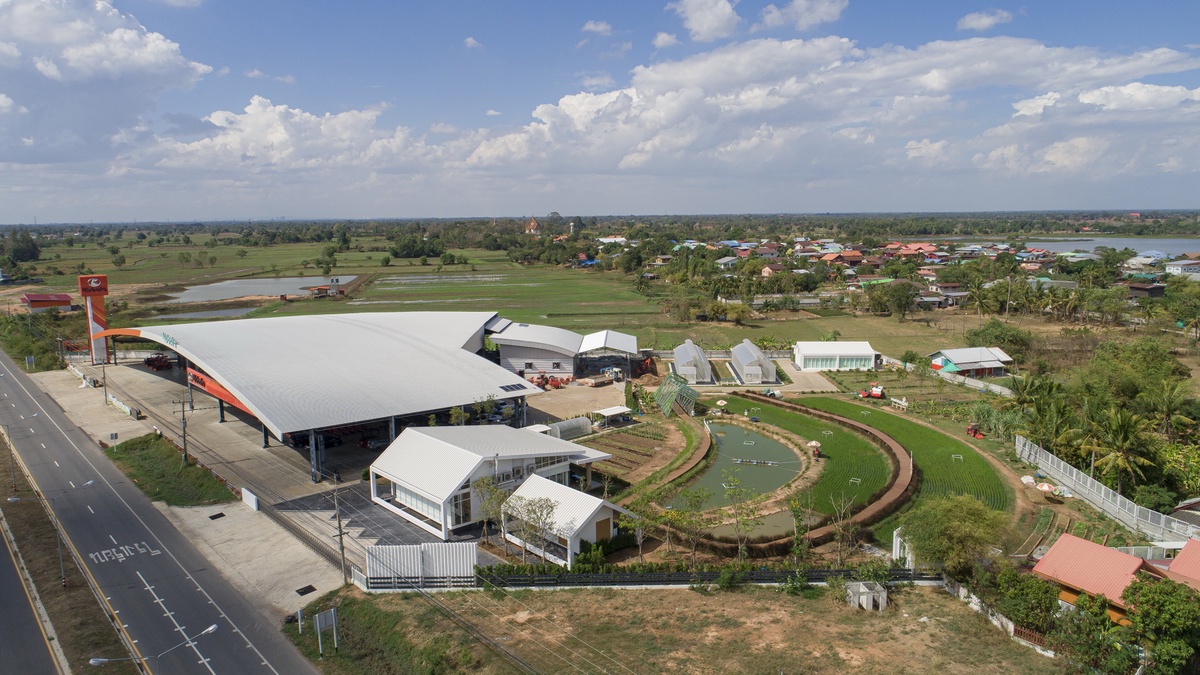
213 313
240 288
735 443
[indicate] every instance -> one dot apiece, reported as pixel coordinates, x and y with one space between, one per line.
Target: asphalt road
152 578
23 648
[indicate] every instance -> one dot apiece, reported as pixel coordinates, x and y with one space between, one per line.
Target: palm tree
831 336
978 296
1122 436
1166 403
1193 324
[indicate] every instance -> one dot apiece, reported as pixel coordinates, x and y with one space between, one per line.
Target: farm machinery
876 391
973 430
158 361
644 367
548 382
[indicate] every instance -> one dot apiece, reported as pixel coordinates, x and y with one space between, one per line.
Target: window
529 365
557 365
461 509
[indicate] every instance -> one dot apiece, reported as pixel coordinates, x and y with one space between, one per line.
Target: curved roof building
299 373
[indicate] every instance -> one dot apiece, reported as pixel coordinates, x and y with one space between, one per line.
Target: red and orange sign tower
93 288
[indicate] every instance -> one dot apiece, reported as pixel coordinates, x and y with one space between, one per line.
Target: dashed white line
43 446
56 463
203 661
72 484
114 539
22 416
90 509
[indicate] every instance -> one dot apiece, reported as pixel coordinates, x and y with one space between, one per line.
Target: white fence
434 565
1152 523
956 379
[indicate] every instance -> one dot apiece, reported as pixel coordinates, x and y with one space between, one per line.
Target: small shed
607 414
817 356
577 517
691 364
750 364
41 302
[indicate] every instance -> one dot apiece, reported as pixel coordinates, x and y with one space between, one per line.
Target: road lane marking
71 483
114 539
22 416
43 446
71 544
90 509
56 463
171 615
31 430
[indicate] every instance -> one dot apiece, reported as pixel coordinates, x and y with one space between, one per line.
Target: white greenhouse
751 365
691 364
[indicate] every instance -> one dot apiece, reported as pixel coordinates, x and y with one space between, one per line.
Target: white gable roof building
816 356
577 517
425 475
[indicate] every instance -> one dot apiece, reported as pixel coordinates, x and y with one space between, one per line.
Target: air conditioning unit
531 468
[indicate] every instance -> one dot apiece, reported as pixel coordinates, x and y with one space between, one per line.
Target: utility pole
341 536
183 425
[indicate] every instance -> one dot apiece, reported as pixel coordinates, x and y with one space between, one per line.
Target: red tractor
158 361
876 391
644 367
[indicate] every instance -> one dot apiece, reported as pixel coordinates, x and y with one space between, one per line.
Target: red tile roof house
1079 566
773 268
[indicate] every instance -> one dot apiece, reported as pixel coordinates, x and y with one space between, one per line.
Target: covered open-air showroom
306 378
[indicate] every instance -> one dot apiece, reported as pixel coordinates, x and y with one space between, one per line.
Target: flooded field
240 288
761 464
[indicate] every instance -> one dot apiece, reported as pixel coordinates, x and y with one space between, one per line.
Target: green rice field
934 453
847 455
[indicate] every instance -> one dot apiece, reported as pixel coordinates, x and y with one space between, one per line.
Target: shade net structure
674 390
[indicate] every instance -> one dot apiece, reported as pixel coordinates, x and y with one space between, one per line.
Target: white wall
514 358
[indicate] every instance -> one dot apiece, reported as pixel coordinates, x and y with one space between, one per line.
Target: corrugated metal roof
1092 568
1185 568
835 349
311 372
609 339
436 461
543 337
45 297
968 355
574 509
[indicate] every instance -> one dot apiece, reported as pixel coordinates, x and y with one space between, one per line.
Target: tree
1089 641
800 505
743 509
641 518
831 336
533 518
1121 443
911 357
385 261
953 531
118 261
691 520
459 416
1028 600
491 502
1166 403
845 530
1164 622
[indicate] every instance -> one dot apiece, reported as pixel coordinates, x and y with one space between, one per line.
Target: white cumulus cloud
707 20
926 151
664 40
985 20
1073 154
1035 105
1139 96
597 27
803 14
86 72
596 81
472 43
493 113
6 104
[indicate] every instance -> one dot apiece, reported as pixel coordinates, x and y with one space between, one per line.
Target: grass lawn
934 454
155 466
847 455
753 630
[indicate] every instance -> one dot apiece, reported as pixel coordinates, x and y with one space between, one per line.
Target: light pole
58 529
142 659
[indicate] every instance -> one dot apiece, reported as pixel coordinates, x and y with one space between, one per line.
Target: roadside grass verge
399 633
847 455
155 466
606 630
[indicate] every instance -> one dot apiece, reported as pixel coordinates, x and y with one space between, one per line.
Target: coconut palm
979 297
1166 403
1122 440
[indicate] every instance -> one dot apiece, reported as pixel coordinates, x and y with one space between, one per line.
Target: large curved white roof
312 372
535 335
609 339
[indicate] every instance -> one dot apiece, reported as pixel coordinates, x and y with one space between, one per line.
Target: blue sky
215 109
